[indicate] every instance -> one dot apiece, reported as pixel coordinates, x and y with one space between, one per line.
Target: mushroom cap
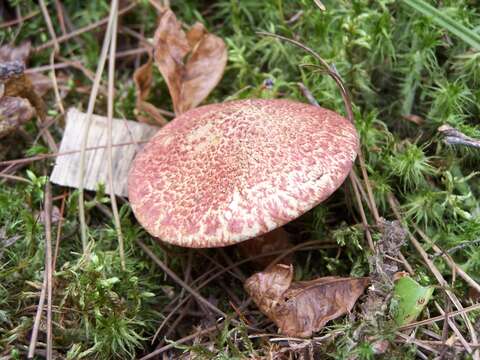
224 173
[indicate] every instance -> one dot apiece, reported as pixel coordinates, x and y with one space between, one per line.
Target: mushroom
224 173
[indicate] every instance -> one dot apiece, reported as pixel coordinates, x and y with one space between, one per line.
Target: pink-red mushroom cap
224 173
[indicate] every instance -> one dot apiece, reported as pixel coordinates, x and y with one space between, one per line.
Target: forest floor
417 209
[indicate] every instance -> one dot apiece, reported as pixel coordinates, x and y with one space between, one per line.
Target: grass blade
467 35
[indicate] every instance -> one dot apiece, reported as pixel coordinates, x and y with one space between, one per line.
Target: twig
433 269
181 341
455 330
48 264
417 342
13 177
65 153
111 97
61 19
48 21
56 49
38 318
445 326
452 264
91 105
440 318
308 95
362 213
19 20
87 28
179 281
59 230
460 246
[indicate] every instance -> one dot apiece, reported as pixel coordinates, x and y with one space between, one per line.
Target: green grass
395 62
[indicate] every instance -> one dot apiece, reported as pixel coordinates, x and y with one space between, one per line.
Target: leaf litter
301 308
20 92
191 63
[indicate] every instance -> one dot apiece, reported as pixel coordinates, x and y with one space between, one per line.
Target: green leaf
410 299
468 35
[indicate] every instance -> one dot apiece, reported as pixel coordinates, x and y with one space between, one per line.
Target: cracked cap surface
224 173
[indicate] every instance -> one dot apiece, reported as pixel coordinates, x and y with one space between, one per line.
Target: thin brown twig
19 20
448 259
111 97
362 214
13 177
56 49
179 281
38 317
48 21
181 341
433 269
65 153
85 29
445 328
59 230
454 327
90 108
440 318
61 19
417 342
48 265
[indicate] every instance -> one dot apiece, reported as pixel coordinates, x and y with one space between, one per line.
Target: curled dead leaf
301 308
41 83
14 112
192 64
16 83
15 53
145 111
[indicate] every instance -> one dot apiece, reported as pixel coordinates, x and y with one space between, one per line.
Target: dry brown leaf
301 308
145 111
14 112
16 83
189 78
15 53
269 242
41 83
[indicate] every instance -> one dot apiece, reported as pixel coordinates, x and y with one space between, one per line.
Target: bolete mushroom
224 173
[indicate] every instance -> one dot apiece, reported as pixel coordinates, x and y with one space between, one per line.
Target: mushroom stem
272 241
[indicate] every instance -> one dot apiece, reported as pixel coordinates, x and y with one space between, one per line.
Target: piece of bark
129 135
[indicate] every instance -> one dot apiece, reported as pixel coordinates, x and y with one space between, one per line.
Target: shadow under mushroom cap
224 173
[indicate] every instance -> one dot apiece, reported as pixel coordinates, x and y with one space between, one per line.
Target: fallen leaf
410 299
269 242
41 83
192 64
301 308
14 112
145 111
18 56
15 53
17 84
